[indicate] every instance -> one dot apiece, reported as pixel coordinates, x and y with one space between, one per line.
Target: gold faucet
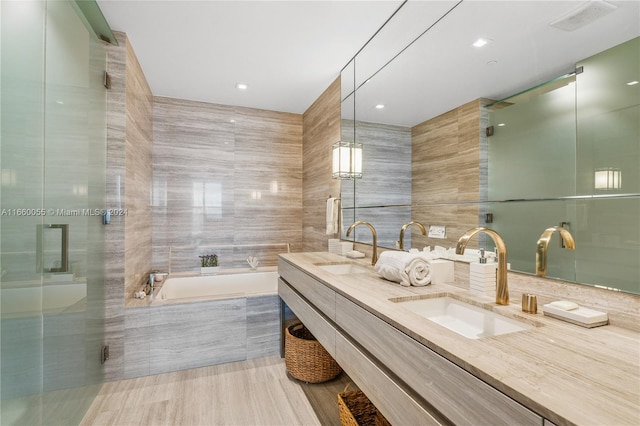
374 257
543 244
502 289
404 228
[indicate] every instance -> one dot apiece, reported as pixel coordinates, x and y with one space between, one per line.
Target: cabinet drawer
319 327
393 402
314 291
457 394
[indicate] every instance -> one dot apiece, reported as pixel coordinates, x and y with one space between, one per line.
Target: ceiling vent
583 15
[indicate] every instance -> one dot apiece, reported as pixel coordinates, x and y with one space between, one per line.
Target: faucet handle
482 258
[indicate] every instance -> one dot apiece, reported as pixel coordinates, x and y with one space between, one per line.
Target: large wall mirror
539 127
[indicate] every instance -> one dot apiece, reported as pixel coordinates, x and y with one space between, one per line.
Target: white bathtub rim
153 301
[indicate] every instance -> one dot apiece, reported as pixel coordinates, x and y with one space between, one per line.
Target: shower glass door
53 158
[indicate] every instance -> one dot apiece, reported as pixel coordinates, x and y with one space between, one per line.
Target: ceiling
288 52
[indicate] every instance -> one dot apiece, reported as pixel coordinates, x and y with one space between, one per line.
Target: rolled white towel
391 266
419 271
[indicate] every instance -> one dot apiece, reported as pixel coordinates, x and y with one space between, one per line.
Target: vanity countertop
564 372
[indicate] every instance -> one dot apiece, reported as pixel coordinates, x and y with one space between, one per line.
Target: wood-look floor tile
254 392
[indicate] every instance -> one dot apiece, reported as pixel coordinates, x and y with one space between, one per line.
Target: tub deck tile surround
566 373
216 334
137 342
176 334
263 326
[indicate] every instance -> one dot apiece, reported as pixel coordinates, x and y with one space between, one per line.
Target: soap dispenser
482 276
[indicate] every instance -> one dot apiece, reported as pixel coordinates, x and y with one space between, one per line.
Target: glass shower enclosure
53 167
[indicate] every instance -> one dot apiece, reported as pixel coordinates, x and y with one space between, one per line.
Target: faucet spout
404 228
152 277
502 288
374 256
543 244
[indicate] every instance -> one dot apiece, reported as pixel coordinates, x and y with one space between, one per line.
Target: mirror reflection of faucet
543 243
374 256
400 242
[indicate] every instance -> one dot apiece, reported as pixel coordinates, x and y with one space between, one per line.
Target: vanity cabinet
311 289
457 394
407 381
390 398
321 329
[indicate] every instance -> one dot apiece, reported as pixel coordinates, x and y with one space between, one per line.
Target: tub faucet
152 278
543 244
502 289
374 256
404 228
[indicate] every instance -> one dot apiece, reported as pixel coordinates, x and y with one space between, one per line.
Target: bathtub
204 320
219 286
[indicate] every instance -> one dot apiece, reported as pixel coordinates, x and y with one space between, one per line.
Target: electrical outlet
437 231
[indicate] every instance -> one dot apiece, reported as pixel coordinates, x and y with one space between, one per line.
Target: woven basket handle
346 387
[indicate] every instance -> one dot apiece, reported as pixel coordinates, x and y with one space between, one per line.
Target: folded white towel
404 268
391 266
419 271
333 212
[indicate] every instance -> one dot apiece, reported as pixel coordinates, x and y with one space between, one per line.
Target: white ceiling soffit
288 52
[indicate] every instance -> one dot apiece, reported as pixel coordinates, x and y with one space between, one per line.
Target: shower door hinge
107 80
104 354
489 131
579 70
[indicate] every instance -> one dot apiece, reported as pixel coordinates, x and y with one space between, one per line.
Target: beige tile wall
138 173
446 170
224 176
321 129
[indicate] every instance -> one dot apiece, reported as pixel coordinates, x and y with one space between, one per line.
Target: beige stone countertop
566 373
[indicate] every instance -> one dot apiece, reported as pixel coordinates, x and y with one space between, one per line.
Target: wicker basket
305 358
357 410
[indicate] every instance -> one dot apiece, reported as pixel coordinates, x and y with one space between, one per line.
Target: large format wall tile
139 135
446 165
128 237
224 177
322 124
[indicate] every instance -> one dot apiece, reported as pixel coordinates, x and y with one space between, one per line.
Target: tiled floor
254 392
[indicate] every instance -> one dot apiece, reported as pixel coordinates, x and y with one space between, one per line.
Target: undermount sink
465 319
342 268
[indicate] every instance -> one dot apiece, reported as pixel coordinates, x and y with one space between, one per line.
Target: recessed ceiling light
242 86
379 106
633 83
480 42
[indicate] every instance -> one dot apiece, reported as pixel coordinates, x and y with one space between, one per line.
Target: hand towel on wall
333 211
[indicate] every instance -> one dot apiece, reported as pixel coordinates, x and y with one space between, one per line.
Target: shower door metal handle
64 247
